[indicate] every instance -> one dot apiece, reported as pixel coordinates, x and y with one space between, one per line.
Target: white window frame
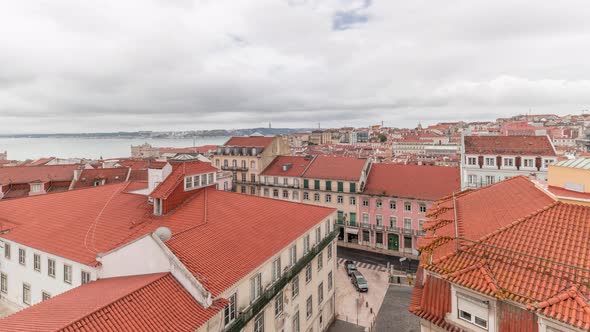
51 264
255 287
68 273
37 262
22 256
279 304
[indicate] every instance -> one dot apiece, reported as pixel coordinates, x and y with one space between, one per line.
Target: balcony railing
271 291
353 224
365 225
407 231
234 168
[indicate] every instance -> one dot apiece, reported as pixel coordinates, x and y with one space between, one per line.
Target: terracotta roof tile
336 168
509 145
298 166
28 174
154 302
106 175
180 170
411 181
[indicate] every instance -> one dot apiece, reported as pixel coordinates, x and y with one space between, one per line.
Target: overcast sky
87 66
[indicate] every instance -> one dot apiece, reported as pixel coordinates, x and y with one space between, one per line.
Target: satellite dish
164 233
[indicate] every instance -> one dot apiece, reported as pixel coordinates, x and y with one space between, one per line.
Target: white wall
142 256
39 281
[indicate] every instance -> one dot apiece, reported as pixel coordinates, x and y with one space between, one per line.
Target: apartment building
490 159
23 181
392 207
246 157
283 178
185 257
520 266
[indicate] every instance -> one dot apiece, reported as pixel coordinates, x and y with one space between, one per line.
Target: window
26 294
330 280
407 206
275 180
243 177
253 165
279 304
316 197
259 322
243 189
22 256
329 252
352 200
293 255
329 185
305 196
7 250
366 236
472 179
472 310
379 220
296 327
285 181
340 187
309 307
266 192
365 202
378 203
229 312
252 190
255 287
51 267
188 182
328 198
306 183
196 181
407 225
252 177
392 221
210 176
352 186
35 187
365 218
422 208
320 261
308 273
529 163
379 237
316 184
471 161
85 277
490 161
420 224
320 293
392 205
340 199
547 162
37 262
295 195
490 179
67 274
328 222
295 286
276 269
45 296
226 163
216 162
3 283
509 162
275 193
286 194
318 235
408 242
306 245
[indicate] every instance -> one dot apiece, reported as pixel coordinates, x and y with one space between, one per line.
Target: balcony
234 168
365 225
270 292
353 224
407 231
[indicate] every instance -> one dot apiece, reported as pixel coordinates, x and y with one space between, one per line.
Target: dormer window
211 179
188 182
197 181
204 180
35 187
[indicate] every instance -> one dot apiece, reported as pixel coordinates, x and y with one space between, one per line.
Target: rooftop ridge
117 299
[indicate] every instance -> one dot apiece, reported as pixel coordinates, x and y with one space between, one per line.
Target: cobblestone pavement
393 315
342 326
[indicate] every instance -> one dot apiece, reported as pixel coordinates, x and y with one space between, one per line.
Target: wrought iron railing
272 290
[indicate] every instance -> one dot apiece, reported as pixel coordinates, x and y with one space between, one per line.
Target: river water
92 148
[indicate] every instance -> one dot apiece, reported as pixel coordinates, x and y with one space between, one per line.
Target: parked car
350 267
359 282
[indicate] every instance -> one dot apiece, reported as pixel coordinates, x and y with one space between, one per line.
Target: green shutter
340 217
340 187
353 218
316 184
306 183
352 187
328 185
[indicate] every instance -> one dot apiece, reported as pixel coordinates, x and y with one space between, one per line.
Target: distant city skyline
72 67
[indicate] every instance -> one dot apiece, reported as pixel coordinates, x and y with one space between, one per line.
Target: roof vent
286 167
164 233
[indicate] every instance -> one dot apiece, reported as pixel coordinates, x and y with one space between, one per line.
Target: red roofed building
187 247
93 177
282 179
246 157
23 181
490 159
393 206
504 258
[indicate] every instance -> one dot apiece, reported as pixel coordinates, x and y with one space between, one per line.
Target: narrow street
410 265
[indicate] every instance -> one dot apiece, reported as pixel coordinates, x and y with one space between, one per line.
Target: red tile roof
412 181
208 229
565 193
481 212
180 170
153 302
28 174
540 261
252 141
41 161
298 166
336 168
509 145
108 175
